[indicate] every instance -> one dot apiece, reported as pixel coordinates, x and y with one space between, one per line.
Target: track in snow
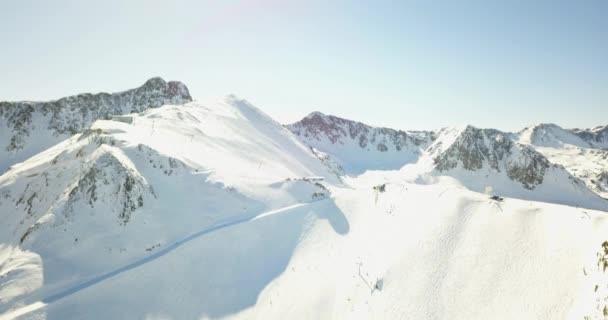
91 282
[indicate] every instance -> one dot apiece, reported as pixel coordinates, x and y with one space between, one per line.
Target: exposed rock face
599 276
95 178
488 159
318 126
357 146
330 163
597 137
529 168
107 177
475 149
600 182
29 127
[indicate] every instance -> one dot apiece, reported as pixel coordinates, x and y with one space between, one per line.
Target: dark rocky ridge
318 126
54 121
355 147
475 148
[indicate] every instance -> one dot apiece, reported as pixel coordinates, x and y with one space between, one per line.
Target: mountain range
149 204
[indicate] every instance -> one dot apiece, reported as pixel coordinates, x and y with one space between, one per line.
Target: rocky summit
27 128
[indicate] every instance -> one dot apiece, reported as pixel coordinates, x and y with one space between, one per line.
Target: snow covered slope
212 210
550 135
488 159
578 151
27 128
479 159
120 192
357 147
411 251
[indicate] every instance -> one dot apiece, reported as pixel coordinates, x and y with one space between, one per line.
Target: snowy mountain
213 210
477 158
120 191
488 159
27 128
359 255
357 147
596 137
576 150
550 135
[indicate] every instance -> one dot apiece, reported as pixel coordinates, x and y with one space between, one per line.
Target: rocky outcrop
30 127
598 274
318 126
597 137
356 146
109 182
475 149
488 159
95 178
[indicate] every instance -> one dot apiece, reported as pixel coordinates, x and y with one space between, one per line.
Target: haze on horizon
407 64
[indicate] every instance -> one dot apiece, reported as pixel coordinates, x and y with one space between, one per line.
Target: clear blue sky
405 64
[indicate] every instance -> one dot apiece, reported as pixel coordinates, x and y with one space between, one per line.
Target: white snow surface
550 135
212 210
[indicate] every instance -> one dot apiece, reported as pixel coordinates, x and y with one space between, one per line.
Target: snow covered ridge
120 191
476 148
214 210
597 137
582 152
488 159
358 147
112 167
478 159
27 128
550 135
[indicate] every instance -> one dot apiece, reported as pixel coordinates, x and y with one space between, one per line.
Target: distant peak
470 127
171 89
316 114
543 126
547 125
155 81
464 129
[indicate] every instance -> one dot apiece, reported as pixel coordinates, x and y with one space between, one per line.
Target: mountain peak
155 81
479 158
356 146
316 114
54 121
174 90
550 135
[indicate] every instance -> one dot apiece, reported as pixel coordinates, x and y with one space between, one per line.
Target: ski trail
12 314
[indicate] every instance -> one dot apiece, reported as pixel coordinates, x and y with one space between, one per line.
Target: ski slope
441 252
73 289
212 210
